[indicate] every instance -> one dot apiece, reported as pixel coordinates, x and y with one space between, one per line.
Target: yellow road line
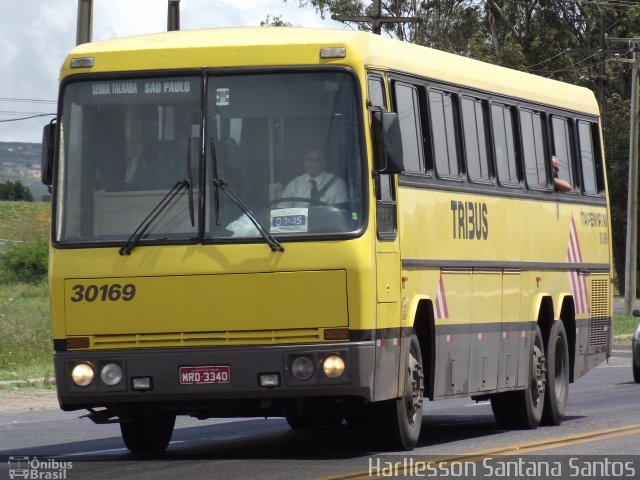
510 450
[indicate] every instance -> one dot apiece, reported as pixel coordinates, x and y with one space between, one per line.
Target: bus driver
315 184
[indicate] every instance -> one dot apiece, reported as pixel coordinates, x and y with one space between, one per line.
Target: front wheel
399 420
148 434
557 392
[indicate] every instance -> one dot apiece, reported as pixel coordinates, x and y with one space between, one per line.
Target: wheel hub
540 365
414 388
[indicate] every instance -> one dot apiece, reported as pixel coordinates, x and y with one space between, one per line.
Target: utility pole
602 79
84 30
631 252
631 263
376 20
173 15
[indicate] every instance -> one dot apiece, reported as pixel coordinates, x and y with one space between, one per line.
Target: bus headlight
82 374
302 368
333 366
111 374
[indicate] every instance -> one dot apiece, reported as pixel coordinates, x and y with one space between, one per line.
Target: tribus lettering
469 220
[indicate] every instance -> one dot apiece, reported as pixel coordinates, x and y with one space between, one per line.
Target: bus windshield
286 144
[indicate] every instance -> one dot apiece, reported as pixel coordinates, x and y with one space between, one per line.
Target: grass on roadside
624 325
25 343
25 221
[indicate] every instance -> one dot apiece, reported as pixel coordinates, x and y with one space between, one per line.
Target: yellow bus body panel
215 294
201 303
514 234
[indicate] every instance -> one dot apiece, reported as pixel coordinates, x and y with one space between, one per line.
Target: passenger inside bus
316 184
559 184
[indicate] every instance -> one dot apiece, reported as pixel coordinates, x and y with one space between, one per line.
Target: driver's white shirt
300 187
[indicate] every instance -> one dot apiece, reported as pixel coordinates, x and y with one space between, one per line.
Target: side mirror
48 142
387 142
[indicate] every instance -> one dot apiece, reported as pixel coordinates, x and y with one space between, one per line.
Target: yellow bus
322 225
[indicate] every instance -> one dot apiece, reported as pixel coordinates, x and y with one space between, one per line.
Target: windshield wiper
222 184
137 234
135 237
190 185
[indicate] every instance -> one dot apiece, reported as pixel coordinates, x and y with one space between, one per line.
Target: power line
25 100
27 118
19 114
548 59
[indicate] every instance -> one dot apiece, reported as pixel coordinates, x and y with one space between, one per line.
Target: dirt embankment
28 399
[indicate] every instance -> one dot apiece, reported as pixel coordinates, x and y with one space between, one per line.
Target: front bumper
245 366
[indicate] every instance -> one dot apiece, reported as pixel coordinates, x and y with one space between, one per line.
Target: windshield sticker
114 88
222 97
289 220
152 87
176 86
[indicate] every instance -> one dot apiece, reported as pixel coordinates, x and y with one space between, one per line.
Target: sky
36 35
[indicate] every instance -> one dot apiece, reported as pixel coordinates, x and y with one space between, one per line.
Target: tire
301 422
148 434
636 369
557 388
398 421
523 408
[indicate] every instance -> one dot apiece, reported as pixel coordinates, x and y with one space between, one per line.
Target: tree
15 191
275 21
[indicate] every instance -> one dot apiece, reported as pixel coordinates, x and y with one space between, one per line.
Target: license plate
205 374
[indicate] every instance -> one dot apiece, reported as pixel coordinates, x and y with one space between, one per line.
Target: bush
24 262
15 191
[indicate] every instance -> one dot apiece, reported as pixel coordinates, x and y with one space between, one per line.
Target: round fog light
302 368
111 374
333 366
82 374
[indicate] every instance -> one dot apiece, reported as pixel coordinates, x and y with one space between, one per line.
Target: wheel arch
424 326
544 314
568 318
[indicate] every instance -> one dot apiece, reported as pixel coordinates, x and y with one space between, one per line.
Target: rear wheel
148 434
557 391
398 421
523 409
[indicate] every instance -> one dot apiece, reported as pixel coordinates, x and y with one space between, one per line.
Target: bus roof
279 46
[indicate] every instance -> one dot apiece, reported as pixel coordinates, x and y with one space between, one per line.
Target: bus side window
505 145
443 133
562 144
475 140
533 146
408 108
387 227
588 159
